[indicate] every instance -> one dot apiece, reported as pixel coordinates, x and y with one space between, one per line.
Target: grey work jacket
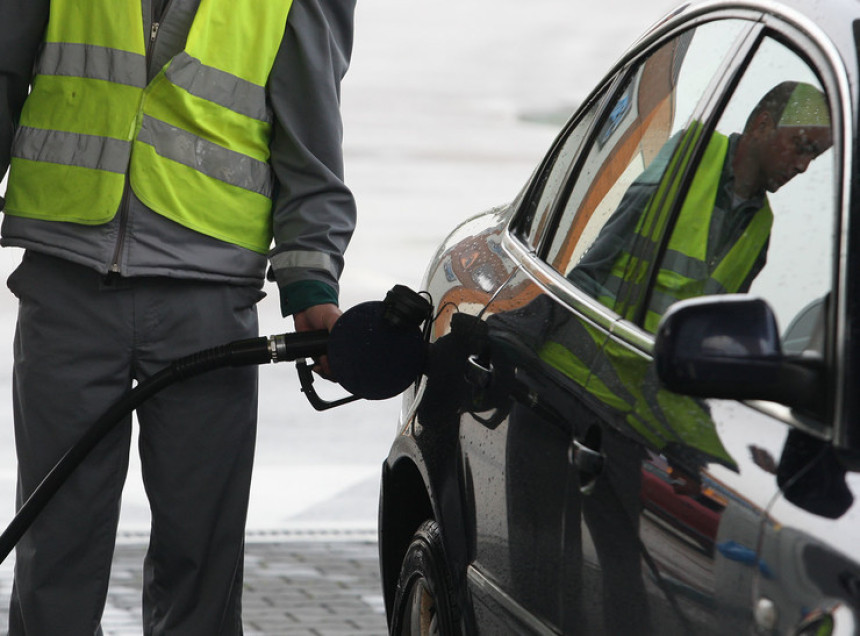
313 212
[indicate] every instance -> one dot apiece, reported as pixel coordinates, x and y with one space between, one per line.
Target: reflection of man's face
786 152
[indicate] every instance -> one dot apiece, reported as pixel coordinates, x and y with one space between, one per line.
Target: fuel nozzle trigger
306 380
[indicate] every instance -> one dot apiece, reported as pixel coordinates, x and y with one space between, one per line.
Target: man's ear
763 123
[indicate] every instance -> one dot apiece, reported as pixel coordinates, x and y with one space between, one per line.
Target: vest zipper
115 269
157 19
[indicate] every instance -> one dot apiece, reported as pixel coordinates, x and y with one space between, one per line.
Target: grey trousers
79 346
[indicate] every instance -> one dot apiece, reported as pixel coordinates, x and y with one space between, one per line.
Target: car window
552 178
656 102
759 213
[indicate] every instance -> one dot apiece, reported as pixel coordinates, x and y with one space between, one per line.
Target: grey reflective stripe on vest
689 267
305 260
574 337
92 62
660 302
220 87
605 372
712 287
685 265
623 292
206 157
72 149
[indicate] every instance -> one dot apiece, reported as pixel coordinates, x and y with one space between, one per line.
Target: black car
640 411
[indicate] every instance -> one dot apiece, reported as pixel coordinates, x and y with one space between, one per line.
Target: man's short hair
793 104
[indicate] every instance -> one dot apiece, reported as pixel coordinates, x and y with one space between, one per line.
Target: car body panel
574 492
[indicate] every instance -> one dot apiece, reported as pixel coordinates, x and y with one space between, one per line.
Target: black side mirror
729 347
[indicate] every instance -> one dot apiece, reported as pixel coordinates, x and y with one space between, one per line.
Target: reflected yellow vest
194 141
684 272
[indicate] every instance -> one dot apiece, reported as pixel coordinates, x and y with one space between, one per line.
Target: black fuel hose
375 349
253 351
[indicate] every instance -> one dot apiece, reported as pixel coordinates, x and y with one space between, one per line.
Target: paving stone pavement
317 584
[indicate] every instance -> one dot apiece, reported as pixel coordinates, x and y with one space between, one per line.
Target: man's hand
318 317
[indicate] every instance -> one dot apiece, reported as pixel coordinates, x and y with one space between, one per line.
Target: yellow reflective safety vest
194 141
684 271
624 381
621 378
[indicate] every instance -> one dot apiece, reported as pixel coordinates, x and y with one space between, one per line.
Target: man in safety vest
165 154
719 242
717 245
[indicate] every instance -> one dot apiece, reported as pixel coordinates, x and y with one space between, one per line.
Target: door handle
589 463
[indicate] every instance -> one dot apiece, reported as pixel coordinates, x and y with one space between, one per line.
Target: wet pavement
307 583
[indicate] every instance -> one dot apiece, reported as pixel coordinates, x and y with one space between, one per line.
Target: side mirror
729 347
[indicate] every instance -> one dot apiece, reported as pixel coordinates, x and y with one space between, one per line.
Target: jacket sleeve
314 212
22 27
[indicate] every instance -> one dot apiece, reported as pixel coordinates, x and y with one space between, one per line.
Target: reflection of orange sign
647 132
469 259
509 299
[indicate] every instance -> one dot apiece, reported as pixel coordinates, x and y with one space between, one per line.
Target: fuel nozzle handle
402 309
375 349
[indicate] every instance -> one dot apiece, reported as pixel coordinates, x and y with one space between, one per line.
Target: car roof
832 19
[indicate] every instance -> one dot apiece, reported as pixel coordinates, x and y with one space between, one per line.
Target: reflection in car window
657 102
758 214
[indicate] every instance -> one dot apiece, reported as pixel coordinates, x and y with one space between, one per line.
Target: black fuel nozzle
403 309
377 349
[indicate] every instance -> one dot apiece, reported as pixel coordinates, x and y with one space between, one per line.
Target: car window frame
805 39
802 37
847 438
533 258
806 47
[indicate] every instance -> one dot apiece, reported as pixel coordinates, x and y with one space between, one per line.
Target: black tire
425 600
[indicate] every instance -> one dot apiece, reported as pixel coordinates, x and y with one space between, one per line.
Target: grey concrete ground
448 107
296 584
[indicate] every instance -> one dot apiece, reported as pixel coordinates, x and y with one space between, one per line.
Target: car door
525 443
745 205
653 103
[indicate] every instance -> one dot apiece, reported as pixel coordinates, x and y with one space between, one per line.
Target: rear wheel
424 602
